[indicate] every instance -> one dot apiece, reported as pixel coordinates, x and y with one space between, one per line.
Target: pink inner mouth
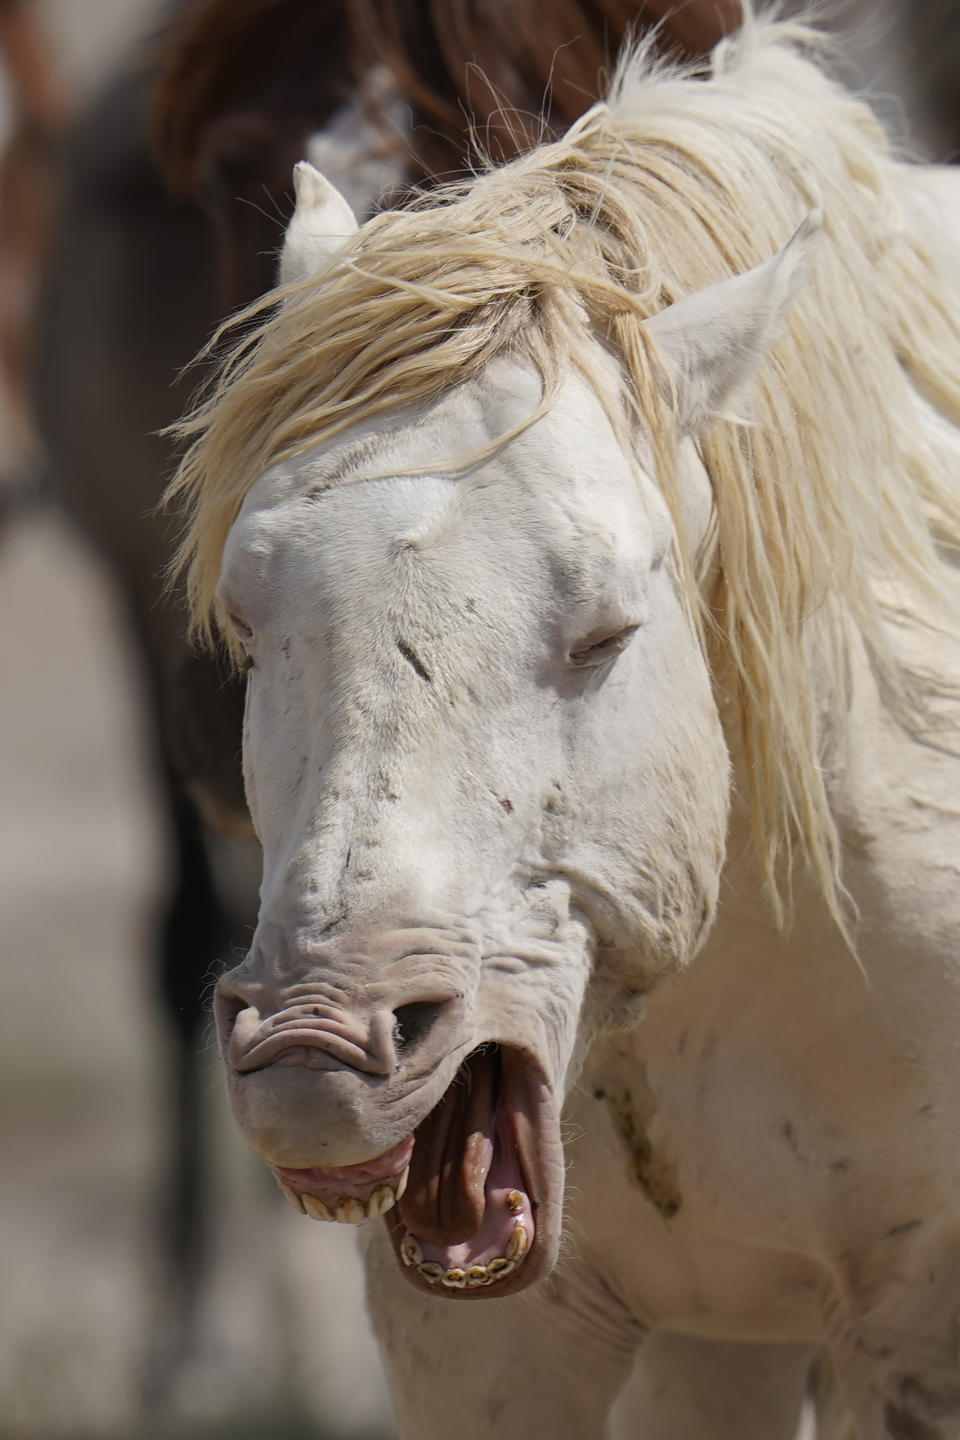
467 1195
466 1201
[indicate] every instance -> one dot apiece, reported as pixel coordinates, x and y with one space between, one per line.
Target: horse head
485 762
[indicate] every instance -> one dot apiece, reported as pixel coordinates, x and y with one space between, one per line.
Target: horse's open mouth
466 1196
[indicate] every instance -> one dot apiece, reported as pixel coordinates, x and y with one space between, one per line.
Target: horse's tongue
444 1200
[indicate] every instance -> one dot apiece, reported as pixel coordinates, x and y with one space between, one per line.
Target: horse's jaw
472 1196
421 1088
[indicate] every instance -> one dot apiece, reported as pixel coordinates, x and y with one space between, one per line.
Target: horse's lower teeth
517 1244
456 1278
410 1251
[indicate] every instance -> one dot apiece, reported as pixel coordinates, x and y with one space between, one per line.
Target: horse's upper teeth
514 1202
348 1209
295 1200
383 1199
315 1208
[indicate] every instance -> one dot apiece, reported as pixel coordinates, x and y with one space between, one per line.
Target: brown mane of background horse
510 73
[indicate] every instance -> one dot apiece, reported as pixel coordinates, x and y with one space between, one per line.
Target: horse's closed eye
599 652
243 631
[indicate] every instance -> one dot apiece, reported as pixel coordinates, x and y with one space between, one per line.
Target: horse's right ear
321 224
714 340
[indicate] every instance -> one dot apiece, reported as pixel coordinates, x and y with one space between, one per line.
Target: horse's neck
785 998
890 791
937 192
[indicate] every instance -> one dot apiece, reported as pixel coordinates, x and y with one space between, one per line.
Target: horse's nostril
411 1023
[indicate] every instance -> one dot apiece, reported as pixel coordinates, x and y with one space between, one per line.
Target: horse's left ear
321 225
712 342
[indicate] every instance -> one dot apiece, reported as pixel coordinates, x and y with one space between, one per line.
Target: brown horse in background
509 73
178 189
41 105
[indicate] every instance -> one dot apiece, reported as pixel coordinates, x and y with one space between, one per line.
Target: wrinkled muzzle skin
485 766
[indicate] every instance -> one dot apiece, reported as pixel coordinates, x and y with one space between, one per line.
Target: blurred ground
77 1052
283 1335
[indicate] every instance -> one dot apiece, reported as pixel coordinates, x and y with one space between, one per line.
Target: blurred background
279 1343
151 1281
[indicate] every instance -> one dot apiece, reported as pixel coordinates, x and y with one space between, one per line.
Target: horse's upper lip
350 1193
320 1035
305 1044
320 1179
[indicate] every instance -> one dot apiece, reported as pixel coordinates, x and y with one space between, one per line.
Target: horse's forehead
561 485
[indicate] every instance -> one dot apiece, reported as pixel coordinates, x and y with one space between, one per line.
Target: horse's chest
662 1200
742 1143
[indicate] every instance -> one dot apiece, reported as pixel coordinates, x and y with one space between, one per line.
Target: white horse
595 575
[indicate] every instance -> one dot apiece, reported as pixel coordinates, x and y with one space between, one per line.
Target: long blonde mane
678 181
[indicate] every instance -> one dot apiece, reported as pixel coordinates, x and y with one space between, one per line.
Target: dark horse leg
193 931
200 716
